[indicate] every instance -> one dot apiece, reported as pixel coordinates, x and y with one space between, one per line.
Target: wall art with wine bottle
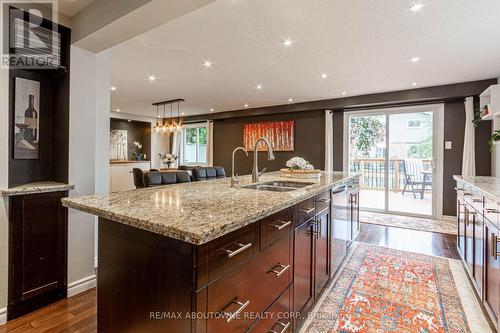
26 119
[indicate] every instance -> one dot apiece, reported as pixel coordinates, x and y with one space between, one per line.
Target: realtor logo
30 38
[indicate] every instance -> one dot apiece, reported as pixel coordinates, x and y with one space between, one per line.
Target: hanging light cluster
171 124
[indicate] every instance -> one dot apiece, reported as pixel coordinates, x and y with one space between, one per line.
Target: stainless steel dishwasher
341 226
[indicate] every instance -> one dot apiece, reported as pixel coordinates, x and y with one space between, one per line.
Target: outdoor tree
366 132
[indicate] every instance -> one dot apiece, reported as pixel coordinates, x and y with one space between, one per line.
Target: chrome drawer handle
281 226
467 194
279 273
494 246
492 211
306 210
232 315
242 247
458 189
283 330
477 200
324 200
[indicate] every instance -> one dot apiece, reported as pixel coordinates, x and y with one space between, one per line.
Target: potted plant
137 154
167 159
493 139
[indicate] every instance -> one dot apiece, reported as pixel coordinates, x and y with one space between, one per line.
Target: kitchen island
204 257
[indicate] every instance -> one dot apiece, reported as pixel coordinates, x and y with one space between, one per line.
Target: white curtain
469 156
210 143
328 140
176 145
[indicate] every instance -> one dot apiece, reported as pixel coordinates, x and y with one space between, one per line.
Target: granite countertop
198 212
488 185
37 187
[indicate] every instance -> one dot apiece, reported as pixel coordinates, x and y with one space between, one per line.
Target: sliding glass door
397 152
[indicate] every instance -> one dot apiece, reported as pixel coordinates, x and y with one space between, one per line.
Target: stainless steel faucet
270 156
234 178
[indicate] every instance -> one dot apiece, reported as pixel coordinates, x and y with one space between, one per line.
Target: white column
88 156
4 222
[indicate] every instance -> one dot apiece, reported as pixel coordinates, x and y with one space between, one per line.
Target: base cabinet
322 251
303 293
37 252
461 225
492 272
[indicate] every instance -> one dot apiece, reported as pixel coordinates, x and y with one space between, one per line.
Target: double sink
278 186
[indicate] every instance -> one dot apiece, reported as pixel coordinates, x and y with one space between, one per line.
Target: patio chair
415 176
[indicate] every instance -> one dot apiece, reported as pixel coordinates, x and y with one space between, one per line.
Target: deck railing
372 173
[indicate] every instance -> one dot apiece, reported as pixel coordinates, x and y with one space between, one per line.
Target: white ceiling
72 7
364 46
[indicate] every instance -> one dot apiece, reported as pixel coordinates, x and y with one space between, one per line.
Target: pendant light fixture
171 124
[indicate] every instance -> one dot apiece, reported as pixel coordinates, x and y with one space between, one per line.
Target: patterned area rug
415 223
384 290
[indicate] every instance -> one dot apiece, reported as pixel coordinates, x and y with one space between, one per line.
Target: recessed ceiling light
324 75
117 110
182 113
246 105
415 59
129 120
158 116
113 88
344 93
207 64
259 86
290 99
287 42
416 7
211 110
414 84
152 78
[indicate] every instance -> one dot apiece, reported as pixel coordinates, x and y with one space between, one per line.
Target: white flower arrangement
298 163
138 145
168 159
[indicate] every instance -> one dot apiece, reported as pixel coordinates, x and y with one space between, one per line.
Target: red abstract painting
279 133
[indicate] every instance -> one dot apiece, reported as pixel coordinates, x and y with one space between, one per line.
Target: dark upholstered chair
207 173
138 178
164 178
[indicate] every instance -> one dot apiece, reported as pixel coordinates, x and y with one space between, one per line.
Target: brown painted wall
139 131
309 141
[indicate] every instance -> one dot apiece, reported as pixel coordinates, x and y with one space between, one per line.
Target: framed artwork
118 149
279 133
26 119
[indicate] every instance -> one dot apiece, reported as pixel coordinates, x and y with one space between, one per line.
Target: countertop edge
486 192
192 238
36 189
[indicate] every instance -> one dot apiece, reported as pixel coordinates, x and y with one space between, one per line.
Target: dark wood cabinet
461 225
37 251
354 207
322 251
491 272
303 293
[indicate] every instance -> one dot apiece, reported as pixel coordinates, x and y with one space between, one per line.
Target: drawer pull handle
279 273
477 200
281 226
494 246
306 210
242 247
324 200
467 194
492 211
232 315
458 189
283 325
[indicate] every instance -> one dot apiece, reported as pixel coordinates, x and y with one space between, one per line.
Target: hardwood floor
78 313
424 242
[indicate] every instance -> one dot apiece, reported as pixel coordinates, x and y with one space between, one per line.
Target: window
414 123
194 144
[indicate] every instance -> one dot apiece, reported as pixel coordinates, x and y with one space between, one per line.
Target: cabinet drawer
491 210
474 198
304 211
250 289
277 317
276 226
228 251
322 201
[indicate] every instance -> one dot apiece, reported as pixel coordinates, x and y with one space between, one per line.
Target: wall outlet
447 145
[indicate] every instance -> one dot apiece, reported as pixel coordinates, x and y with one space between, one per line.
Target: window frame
183 143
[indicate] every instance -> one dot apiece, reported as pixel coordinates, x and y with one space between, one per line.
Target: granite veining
488 185
198 212
37 187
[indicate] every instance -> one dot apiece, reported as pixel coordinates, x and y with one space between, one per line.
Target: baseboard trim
77 287
3 316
